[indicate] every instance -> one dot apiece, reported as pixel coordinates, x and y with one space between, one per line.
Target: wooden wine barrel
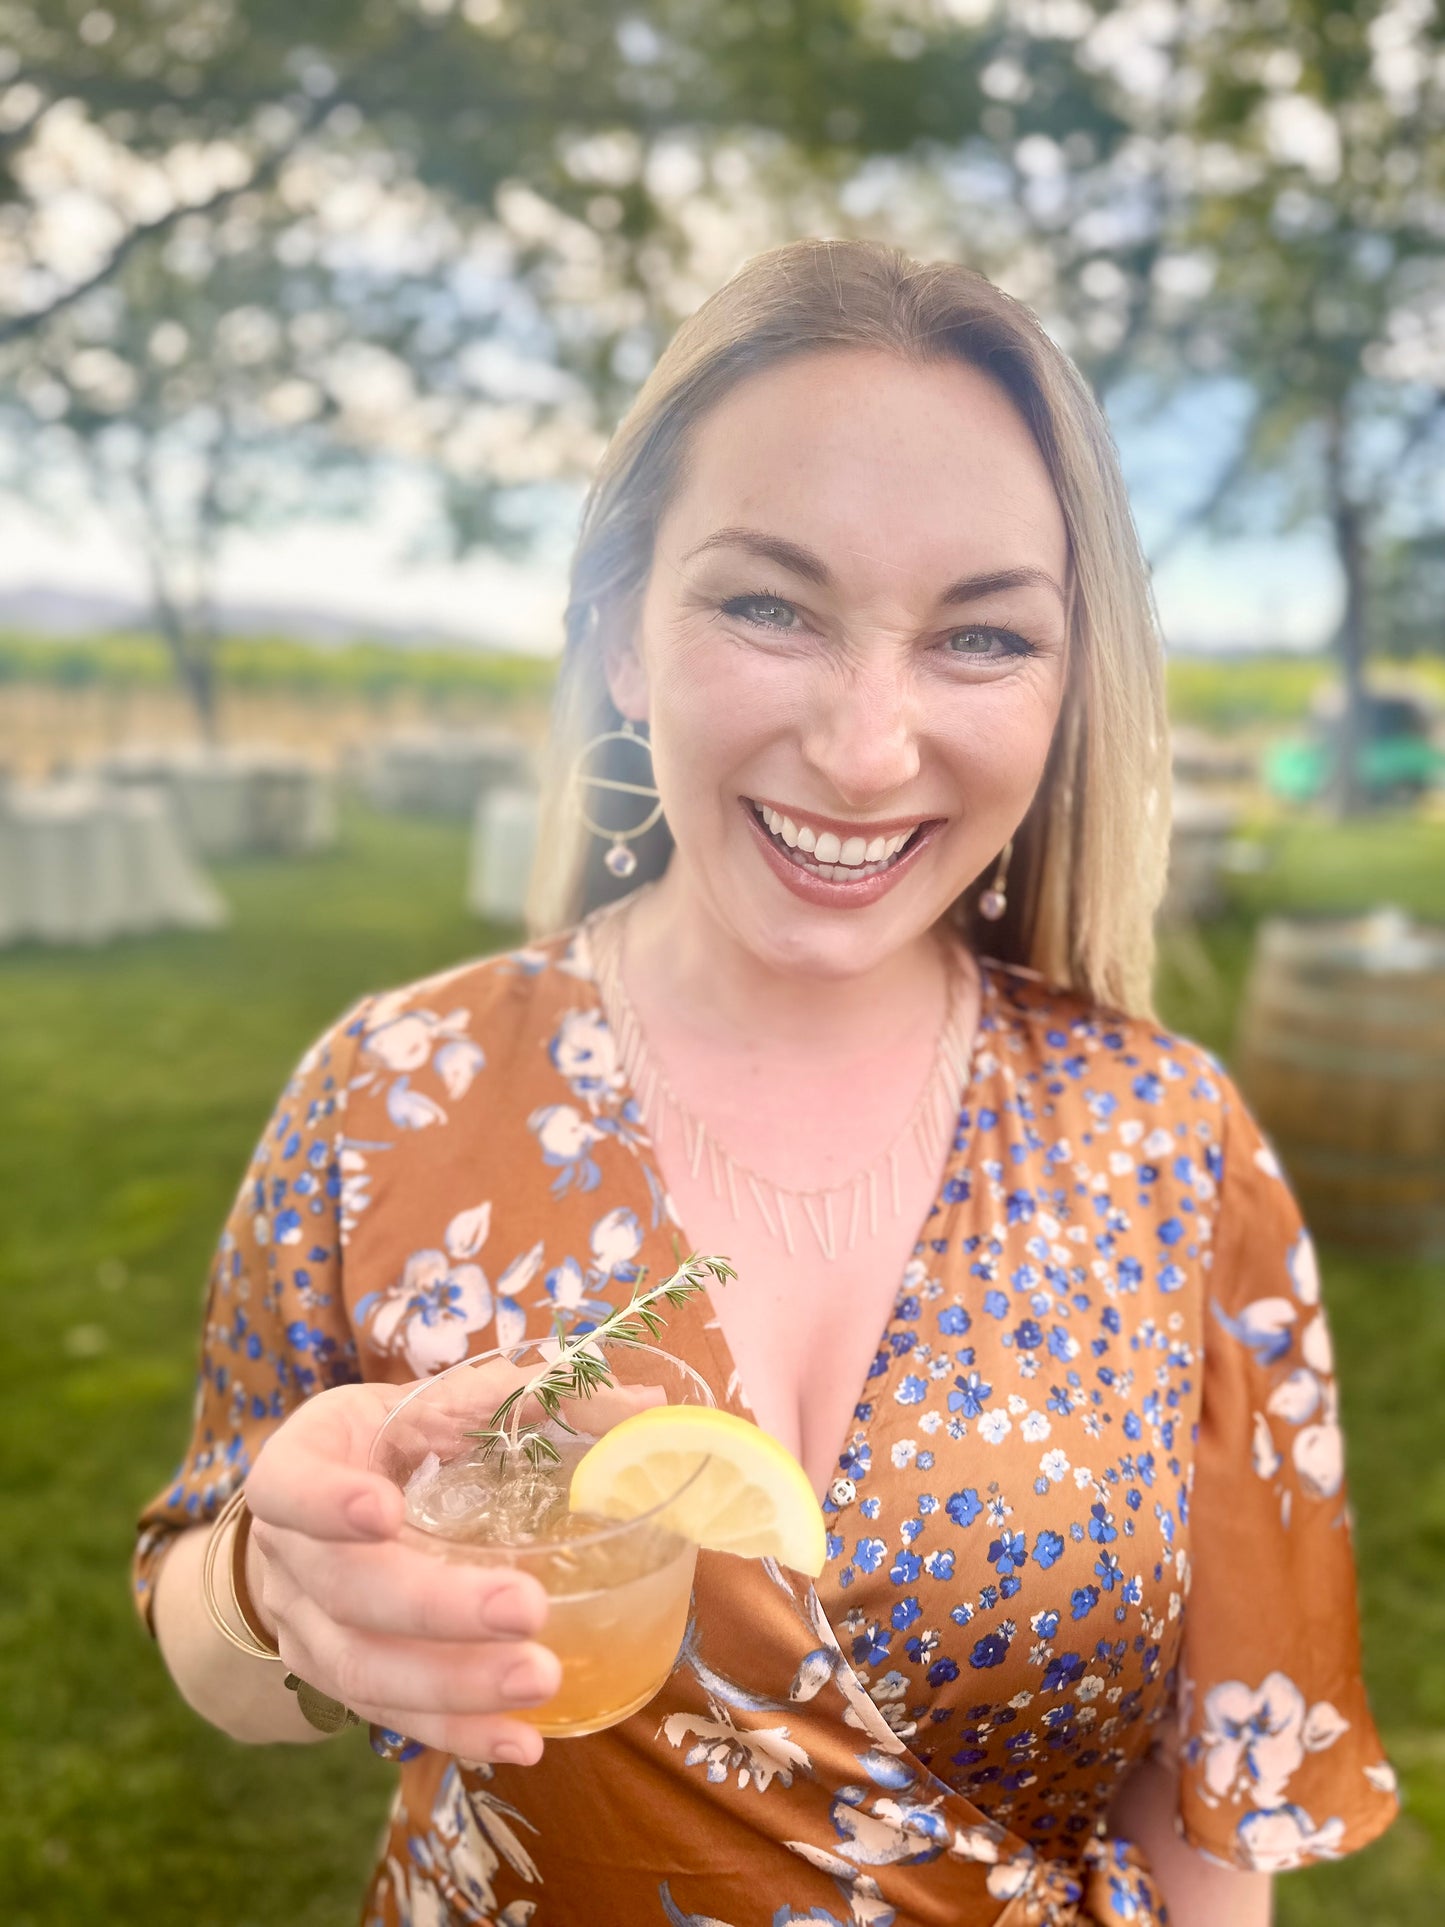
1341 1054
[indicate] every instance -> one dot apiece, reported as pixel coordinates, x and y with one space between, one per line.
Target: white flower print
585 1054
1295 1398
1318 1453
758 1755
467 1232
1265 1458
1035 1426
566 1139
1316 1348
1304 1270
457 1063
404 1042
355 1188
1286 1837
616 1241
398 1041
412 1110
1054 1465
1255 1737
994 1426
429 1316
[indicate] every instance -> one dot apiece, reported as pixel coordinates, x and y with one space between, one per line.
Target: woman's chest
802 1328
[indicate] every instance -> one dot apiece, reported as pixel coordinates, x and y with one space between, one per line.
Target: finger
311 1476
396 1590
415 1676
473 1739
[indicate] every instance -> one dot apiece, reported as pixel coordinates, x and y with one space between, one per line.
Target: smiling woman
860 632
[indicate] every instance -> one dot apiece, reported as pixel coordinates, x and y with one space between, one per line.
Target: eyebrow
803 562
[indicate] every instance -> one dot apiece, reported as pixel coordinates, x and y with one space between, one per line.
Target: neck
680 955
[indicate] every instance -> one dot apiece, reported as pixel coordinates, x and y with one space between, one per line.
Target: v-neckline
961 1142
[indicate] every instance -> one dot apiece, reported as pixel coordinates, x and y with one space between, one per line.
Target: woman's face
851 652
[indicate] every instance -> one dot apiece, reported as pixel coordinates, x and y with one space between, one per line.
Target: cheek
711 714
997 737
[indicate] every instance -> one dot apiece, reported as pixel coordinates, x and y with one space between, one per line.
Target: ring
319 1709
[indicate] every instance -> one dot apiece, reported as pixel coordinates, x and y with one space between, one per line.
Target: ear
626 677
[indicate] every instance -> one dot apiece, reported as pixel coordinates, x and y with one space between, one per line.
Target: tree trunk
1347 521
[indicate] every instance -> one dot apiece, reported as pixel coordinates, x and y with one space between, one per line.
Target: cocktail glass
618 1590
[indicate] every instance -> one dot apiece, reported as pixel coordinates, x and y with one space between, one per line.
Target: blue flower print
1008 1552
969 1395
991 1650
1047 1548
964 1507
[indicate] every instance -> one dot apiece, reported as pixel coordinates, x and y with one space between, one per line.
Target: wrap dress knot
1111 1887
1091 1504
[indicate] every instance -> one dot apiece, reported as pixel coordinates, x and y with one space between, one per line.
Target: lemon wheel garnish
751 1497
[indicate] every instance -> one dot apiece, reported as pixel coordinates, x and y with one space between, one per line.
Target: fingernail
520 1682
363 1514
511 1610
510 1753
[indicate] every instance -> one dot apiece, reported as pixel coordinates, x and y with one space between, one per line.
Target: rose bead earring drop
994 901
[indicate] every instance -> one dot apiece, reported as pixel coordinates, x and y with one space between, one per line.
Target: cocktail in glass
618 1590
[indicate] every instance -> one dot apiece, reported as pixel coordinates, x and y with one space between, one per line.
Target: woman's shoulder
442 1028
1112 1062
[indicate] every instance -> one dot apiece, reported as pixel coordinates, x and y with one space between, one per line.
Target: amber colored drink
619 1596
618 1591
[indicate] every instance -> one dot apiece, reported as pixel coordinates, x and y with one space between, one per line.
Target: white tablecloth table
504 838
238 800
84 862
442 772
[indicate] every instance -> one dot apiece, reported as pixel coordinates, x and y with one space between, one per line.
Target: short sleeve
1280 1762
276 1327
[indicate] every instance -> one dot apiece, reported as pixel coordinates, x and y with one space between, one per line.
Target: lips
838 884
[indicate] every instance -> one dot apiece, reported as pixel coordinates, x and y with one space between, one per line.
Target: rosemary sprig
578 1372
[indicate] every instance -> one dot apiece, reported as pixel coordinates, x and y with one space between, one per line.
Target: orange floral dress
1092 1500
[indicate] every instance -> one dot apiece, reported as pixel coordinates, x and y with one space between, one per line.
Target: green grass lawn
135 1082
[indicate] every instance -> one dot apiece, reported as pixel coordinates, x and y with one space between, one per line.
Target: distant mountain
41 609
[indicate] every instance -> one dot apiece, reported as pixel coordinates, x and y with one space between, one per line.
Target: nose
863 735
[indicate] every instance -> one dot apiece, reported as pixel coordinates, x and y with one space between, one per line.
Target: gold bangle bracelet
249 1641
318 1709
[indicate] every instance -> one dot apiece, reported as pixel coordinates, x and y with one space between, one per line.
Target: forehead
873 461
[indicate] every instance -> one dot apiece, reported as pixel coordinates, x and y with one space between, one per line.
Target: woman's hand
437 1650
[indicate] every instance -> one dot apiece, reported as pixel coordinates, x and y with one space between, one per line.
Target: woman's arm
244 1697
1197 1892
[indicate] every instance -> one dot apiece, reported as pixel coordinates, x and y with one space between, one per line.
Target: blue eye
742 605
979 644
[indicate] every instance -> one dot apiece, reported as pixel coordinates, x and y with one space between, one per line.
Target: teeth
839 859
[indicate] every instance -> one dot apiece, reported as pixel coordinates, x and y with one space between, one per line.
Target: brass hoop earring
994 901
619 859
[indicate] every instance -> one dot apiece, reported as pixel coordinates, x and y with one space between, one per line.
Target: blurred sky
1279 591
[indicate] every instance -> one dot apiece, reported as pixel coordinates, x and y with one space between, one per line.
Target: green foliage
1221 695
136 1081
274 665
1229 693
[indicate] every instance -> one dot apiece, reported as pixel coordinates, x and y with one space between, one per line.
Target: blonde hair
1089 859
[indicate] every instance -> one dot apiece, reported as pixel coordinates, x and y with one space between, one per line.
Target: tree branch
17 326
